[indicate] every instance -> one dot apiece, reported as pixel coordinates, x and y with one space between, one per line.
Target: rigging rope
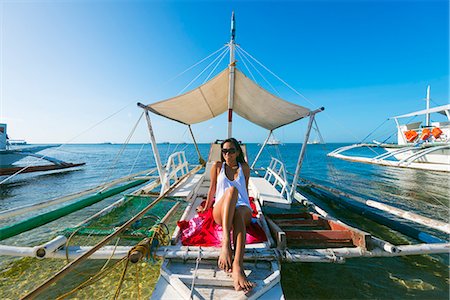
127 140
196 64
260 74
243 61
218 63
193 80
135 160
276 76
378 127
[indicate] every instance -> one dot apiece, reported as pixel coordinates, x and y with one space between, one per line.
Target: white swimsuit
223 183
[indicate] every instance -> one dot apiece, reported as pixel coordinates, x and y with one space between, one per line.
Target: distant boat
17 142
315 142
10 155
274 142
425 147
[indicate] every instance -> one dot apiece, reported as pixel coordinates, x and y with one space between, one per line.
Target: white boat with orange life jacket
418 146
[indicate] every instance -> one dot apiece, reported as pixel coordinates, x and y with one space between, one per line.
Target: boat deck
206 281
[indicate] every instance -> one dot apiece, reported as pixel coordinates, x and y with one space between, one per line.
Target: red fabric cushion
203 231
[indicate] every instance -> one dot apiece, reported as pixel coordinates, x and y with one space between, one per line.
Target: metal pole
260 150
159 166
303 150
232 65
200 158
427 120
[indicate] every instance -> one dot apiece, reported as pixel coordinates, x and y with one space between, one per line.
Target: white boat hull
9 157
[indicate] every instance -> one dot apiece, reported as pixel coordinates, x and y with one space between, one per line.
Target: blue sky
66 66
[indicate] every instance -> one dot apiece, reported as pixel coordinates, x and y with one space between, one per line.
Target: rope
137 282
193 80
218 63
100 275
276 76
119 286
127 140
378 127
260 74
197 262
196 64
145 248
135 160
243 61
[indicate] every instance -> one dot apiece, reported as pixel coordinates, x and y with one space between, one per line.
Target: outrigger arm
312 115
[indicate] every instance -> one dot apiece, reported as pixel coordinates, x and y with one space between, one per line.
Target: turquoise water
425 193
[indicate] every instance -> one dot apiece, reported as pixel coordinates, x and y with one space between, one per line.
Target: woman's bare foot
225 260
240 281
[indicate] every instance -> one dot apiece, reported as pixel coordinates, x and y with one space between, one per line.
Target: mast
231 67
427 116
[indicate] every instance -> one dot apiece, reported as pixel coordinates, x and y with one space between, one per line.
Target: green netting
105 225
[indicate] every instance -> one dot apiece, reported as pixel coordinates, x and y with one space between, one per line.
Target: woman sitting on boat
231 209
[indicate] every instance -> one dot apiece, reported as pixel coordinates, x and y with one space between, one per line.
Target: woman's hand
200 209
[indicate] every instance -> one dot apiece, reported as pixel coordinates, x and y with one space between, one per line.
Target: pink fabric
203 231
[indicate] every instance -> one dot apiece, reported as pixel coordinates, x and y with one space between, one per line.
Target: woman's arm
212 187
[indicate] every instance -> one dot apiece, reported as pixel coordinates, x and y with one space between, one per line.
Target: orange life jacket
436 132
411 135
426 133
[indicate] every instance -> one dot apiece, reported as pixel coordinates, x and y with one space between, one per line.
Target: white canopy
251 102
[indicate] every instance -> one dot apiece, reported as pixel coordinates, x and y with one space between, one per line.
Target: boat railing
390 154
276 175
177 166
415 156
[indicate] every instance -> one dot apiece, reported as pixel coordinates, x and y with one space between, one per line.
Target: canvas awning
251 102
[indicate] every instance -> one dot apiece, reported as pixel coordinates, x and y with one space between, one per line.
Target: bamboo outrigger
295 229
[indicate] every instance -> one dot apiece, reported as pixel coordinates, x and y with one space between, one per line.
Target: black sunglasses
231 151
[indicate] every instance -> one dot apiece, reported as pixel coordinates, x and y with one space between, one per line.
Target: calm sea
425 193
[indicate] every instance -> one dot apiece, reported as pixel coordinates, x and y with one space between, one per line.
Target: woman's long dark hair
240 158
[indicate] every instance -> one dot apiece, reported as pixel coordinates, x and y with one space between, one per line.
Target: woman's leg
223 214
242 218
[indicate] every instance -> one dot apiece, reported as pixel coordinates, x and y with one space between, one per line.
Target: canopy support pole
232 66
159 166
200 158
312 115
427 116
261 150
